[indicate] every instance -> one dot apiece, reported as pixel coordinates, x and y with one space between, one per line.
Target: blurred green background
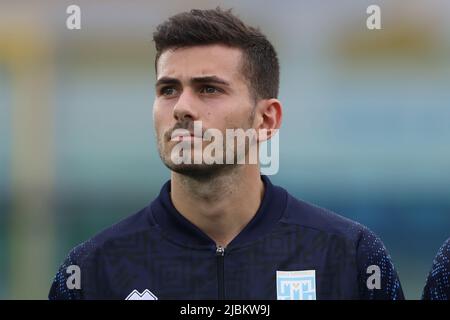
366 127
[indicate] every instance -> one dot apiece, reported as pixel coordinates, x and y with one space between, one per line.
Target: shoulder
131 227
365 247
128 234
437 286
307 215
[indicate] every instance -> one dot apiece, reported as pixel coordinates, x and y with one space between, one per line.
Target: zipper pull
220 251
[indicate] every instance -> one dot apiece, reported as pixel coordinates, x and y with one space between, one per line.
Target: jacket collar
180 230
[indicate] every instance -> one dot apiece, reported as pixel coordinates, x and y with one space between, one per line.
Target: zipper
220 252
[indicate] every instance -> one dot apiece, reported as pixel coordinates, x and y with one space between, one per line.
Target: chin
199 171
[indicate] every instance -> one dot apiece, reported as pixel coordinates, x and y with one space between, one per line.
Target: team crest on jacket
145 295
296 285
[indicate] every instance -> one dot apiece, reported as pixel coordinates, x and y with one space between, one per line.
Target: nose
185 106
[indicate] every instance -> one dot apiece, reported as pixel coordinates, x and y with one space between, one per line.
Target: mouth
185 137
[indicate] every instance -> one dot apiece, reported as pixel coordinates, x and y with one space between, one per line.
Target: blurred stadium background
366 122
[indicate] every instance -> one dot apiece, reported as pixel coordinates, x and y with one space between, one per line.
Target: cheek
156 116
161 115
240 117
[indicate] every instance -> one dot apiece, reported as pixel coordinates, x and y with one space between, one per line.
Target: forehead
218 60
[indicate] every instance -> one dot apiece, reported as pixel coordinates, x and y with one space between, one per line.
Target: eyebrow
194 80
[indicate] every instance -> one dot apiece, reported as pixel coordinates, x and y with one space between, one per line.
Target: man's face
201 83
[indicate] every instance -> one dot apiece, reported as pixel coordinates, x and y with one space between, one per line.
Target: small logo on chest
296 285
145 295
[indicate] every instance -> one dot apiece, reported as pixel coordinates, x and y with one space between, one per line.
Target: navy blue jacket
437 286
289 250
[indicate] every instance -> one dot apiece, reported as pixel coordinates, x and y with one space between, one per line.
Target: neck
222 205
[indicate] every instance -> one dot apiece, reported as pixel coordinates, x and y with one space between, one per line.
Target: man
437 286
221 230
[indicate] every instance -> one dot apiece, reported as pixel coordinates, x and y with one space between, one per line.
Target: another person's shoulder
437 286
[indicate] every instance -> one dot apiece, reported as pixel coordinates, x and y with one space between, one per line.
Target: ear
269 118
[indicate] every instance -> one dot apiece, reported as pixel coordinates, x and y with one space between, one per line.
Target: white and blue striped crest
296 285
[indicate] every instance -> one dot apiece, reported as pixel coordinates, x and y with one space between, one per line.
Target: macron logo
145 295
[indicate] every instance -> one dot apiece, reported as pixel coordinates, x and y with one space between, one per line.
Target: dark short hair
260 64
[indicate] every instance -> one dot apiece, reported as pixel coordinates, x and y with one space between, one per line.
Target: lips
184 137
186 131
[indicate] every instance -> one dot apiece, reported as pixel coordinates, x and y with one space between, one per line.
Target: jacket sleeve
377 277
67 282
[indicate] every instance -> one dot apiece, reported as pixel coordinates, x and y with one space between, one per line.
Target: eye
209 90
167 91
